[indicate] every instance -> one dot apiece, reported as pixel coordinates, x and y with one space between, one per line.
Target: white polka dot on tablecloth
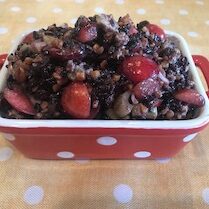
199 2
119 1
106 140
189 137
183 12
3 30
5 153
73 21
207 22
82 161
79 1
31 19
163 160
205 195
159 1
9 137
34 195
165 21
65 154
2 1
39 0
15 9
142 154
99 10
56 10
192 34
141 11
123 193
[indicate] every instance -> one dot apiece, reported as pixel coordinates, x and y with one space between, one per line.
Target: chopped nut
95 74
164 111
44 105
80 76
103 64
98 49
165 64
170 114
116 77
130 86
144 109
56 75
71 76
56 87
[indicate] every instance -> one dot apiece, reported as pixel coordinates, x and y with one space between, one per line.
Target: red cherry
2 59
76 100
87 33
190 96
139 68
146 88
19 101
157 30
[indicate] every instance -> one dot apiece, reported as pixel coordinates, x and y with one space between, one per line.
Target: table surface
181 182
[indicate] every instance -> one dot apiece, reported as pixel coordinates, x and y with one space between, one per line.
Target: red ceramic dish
108 139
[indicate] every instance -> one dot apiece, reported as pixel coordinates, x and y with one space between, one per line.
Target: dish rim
201 120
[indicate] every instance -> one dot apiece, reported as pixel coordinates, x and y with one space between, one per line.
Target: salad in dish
99 69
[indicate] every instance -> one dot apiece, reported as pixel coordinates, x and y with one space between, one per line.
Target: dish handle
203 63
2 59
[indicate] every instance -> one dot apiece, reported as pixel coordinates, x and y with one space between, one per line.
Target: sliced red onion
163 78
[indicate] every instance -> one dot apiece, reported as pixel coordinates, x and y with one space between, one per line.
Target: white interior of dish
202 119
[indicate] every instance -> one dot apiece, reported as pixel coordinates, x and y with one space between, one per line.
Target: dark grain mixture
100 69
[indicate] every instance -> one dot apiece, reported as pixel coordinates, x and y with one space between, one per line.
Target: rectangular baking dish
108 139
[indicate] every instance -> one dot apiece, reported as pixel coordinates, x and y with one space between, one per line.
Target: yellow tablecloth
181 182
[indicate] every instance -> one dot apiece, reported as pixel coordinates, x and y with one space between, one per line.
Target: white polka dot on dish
9 137
141 11
15 9
2 1
207 22
5 153
65 154
34 195
106 140
119 1
159 1
183 12
39 0
123 193
99 10
192 34
189 137
31 19
73 21
3 30
56 10
163 160
200 2
165 21
142 154
79 1
205 195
